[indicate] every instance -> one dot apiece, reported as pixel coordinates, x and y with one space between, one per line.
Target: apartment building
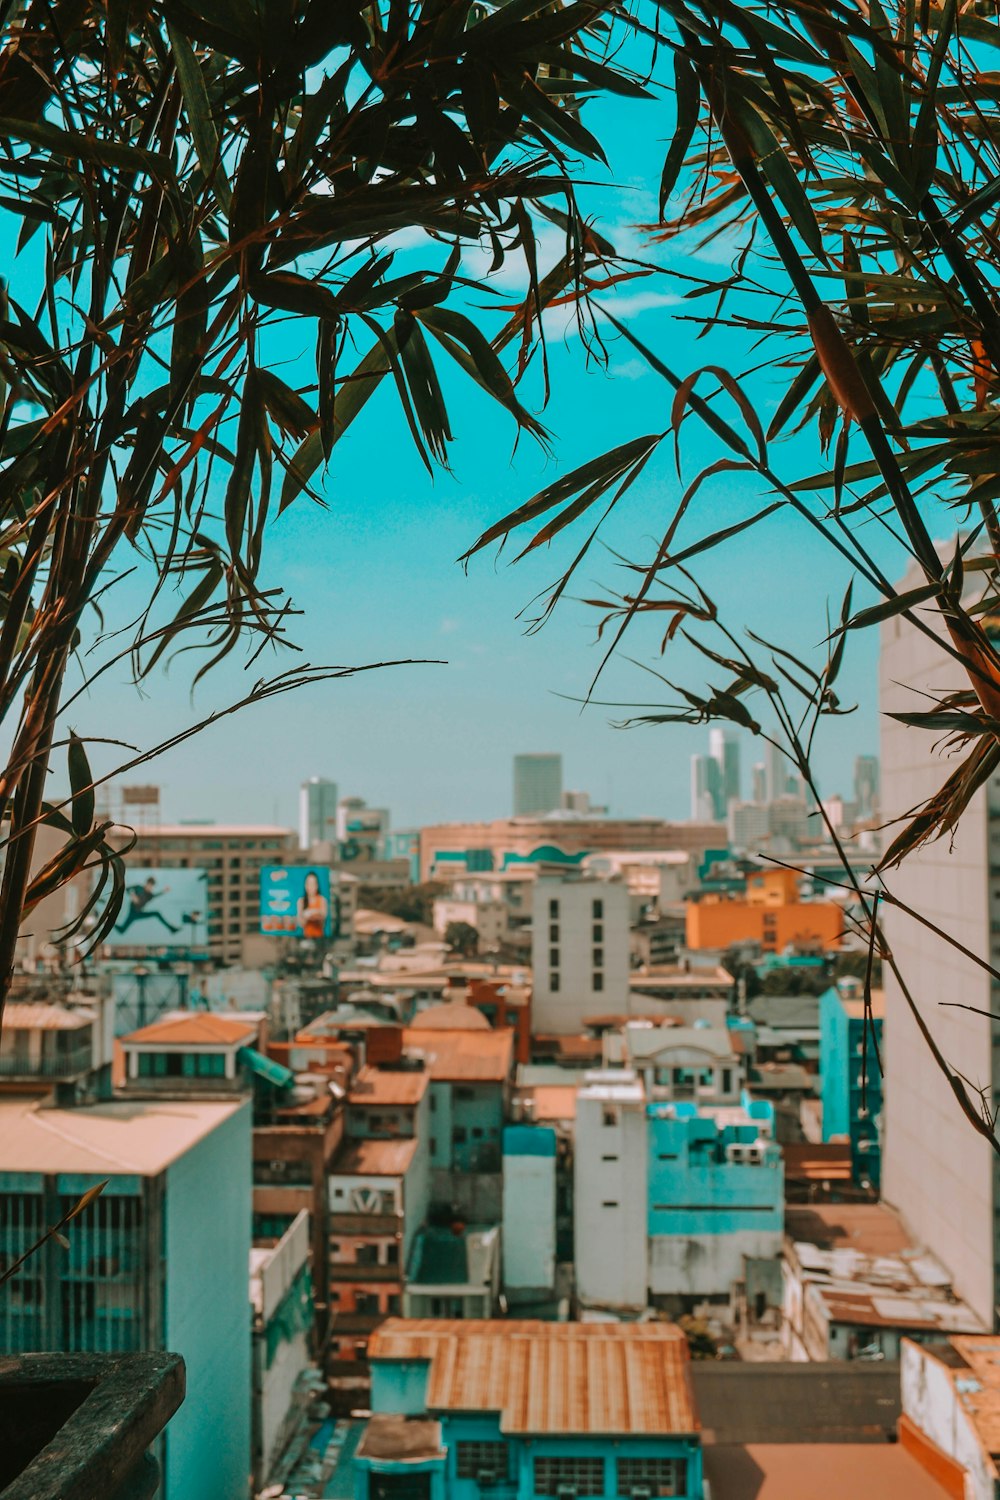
232 856
579 951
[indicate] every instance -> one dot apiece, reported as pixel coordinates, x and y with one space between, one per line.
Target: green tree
848 155
462 938
181 181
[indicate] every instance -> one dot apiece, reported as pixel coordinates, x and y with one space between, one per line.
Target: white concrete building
942 1177
529 1211
610 1193
281 1306
579 951
949 1395
489 918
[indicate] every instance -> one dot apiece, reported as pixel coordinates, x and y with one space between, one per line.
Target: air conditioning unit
641 1492
754 1154
566 1492
734 1153
486 1476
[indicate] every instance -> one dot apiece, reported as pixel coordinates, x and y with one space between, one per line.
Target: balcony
63 1065
354 1270
365 1224
79 1426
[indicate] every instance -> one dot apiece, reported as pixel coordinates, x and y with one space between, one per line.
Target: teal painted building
158 1261
715 1191
523 1410
852 1084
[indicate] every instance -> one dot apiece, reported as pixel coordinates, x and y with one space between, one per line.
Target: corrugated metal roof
464 1056
374 1159
980 1394
388 1086
609 1378
202 1028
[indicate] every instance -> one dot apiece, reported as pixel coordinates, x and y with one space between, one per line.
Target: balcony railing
65 1065
352 1270
365 1223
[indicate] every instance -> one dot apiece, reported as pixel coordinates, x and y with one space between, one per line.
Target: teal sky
376 576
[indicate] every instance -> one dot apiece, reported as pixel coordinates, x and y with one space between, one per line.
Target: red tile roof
199 1028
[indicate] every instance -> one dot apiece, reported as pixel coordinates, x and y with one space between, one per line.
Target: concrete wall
529 1209
936 1170
477 1197
610 1197
834 1058
704 1265
207 1212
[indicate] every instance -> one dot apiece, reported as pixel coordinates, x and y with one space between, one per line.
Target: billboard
164 908
295 901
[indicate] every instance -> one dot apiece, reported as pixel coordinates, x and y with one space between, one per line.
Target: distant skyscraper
706 789
759 788
537 784
775 774
866 784
724 748
317 811
576 802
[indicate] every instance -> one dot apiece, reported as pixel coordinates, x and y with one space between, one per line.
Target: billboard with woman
295 900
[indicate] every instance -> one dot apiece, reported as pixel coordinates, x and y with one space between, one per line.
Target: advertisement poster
295 901
164 908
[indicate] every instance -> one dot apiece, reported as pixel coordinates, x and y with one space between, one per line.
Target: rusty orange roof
40 1015
977 1386
199 1028
613 1378
552 1101
464 1056
453 1015
816 1471
374 1158
388 1086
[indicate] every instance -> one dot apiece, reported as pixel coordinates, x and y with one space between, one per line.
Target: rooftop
551 1101
389 1086
140 1137
644 1041
193 1028
454 1015
399 1439
213 830
870 1228
817 1471
463 1255
30 1015
374 1159
675 977
855 1004
615 1378
976 1378
464 1056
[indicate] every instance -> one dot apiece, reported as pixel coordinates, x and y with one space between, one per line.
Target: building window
609 1116
553 958
610 1203
597 958
578 1475
554 909
598 932
597 983
652 1476
554 981
465 1093
553 932
458 1136
485 1462
598 910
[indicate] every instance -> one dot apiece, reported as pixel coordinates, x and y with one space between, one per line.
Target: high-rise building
776 768
937 1171
866 785
758 792
537 784
706 789
724 748
576 802
317 812
579 951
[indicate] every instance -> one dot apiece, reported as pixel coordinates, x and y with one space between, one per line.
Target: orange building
769 912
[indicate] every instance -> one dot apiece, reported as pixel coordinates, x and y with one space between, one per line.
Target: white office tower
610 1210
579 951
724 748
538 785
317 812
777 769
941 1175
706 790
758 791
